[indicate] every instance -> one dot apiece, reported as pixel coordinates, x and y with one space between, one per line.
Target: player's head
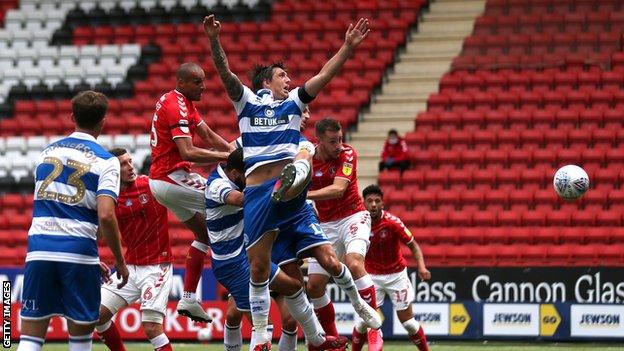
329 135
235 168
273 77
393 136
190 80
373 200
128 173
305 116
88 111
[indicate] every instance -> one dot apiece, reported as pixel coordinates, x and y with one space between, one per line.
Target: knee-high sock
302 168
232 338
110 336
193 268
366 289
302 312
30 343
344 280
416 334
161 343
81 342
287 341
260 301
324 309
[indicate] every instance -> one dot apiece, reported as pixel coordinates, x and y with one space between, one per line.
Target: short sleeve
239 142
294 96
347 163
306 145
218 190
404 234
177 117
108 182
247 96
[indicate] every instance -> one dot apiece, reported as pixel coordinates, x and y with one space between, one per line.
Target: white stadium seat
53 75
125 141
67 55
73 75
32 76
115 74
36 143
106 141
94 75
15 144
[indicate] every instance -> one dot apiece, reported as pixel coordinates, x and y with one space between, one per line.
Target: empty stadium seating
537 85
130 49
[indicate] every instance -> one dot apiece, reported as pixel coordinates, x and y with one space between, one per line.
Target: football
571 182
204 334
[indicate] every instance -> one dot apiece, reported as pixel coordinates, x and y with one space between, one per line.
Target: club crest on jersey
143 199
269 112
128 203
347 168
318 174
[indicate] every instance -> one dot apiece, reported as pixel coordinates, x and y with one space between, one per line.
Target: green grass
389 346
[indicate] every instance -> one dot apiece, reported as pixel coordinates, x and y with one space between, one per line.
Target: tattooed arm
233 85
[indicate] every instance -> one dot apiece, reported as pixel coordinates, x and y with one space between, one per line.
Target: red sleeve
384 153
402 155
347 163
176 115
401 230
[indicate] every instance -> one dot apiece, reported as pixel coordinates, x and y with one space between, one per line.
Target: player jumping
175 122
269 123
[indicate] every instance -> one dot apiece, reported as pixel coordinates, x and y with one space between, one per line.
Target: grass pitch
388 346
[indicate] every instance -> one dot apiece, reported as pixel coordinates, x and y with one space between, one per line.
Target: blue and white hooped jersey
269 128
224 222
70 174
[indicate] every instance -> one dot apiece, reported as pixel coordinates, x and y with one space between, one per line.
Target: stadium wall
546 303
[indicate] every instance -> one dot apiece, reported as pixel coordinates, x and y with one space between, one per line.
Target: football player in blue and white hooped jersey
224 220
269 123
77 184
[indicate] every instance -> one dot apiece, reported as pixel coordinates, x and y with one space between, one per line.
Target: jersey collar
81 135
224 176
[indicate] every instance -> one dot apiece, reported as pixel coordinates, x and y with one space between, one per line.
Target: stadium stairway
416 74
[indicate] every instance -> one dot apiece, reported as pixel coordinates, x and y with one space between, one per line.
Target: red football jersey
384 254
345 166
143 225
175 117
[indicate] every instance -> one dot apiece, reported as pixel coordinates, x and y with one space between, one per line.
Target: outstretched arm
354 36
233 85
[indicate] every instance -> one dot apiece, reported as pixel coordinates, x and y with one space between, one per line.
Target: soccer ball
571 182
204 334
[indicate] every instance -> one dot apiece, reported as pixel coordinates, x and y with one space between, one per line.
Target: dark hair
235 161
118 151
372 189
89 108
260 73
326 124
393 131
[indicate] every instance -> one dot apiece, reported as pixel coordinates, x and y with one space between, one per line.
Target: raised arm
233 85
354 36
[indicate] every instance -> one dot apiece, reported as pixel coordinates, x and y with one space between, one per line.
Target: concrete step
368 136
394 88
404 97
364 181
398 108
407 117
460 27
405 126
448 17
428 57
437 37
466 7
445 46
369 148
423 67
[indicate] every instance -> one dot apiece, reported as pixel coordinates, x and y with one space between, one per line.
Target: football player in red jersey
387 266
343 218
145 233
175 123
